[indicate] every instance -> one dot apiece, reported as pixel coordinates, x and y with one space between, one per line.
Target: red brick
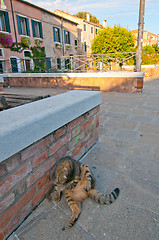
40 158
59 144
94 111
92 141
60 132
76 131
77 148
43 181
74 123
39 197
15 178
13 211
86 124
12 163
2 169
6 202
36 147
26 210
61 153
10 227
40 171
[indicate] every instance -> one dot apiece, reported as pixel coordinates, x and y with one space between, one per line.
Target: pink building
34 26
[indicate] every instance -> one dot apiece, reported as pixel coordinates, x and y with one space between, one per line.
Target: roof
78 18
43 9
136 30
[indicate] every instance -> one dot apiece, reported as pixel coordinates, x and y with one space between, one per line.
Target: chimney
88 17
105 23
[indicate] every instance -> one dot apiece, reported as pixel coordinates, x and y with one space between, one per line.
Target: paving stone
126 156
123 221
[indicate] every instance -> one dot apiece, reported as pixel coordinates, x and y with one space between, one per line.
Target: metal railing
73 63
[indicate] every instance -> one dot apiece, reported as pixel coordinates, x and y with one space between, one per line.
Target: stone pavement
126 156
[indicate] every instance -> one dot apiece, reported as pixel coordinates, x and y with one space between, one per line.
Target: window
58 63
85 47
91 29
2 66
23 26
37 29
67 64
76 43
57 35
96 31
4 21
84 27
67 37
14 64
1 52
48 63
27 60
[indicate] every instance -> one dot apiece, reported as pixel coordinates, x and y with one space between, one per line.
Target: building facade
149 38
87 30
28 24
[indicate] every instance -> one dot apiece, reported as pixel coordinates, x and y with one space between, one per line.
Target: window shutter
27 26
7 22
65 36
54 34
18 22
69 37
33 29
59 35
40 29
48 63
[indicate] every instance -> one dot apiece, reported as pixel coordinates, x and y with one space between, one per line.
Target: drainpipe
15 32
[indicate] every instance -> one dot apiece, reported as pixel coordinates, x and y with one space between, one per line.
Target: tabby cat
77 182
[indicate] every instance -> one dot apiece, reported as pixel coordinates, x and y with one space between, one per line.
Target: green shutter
18 22
27 26
54 34
65 36
59 35
69 37
7 21
40 29
33 29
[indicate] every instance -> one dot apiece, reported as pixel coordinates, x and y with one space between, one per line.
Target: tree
83 15
148 49
113 40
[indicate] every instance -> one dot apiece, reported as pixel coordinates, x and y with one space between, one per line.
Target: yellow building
149 38
87 30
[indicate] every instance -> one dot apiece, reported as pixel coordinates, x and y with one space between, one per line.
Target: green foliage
148 59
83 15
25 42
148 49
113 40
38 55
156 47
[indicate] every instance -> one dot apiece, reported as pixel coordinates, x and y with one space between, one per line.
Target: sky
123 12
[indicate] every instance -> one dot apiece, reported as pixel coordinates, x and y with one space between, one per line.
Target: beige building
87 30
149 38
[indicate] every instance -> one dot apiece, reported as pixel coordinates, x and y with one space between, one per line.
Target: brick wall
108 81
27 176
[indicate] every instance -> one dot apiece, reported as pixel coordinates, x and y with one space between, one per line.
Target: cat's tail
104 198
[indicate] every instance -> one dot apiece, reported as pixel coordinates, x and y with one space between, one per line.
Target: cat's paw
87 187
56 199
72 185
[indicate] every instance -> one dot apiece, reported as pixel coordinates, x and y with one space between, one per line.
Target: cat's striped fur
77 183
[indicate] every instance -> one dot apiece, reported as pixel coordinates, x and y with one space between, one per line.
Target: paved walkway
126 156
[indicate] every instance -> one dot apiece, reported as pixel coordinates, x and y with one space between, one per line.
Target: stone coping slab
116 74
26 124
